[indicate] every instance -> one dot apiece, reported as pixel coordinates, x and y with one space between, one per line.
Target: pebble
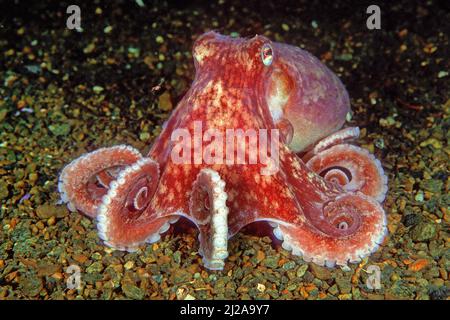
62 129
30 284
97 89
165 102
320 272
46 211
411 220
442 74
344 283
129 265
289 265
108 29
301 270
95 267
133 292
271 262
4 193
423 231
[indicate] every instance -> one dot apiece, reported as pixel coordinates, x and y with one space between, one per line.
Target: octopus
319 193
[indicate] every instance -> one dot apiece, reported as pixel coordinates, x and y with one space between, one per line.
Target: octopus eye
267 54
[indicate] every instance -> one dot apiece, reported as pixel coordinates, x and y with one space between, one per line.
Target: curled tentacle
353 168
350 228
85 180
124 218
209 211
340 137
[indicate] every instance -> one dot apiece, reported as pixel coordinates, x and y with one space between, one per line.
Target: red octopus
324 205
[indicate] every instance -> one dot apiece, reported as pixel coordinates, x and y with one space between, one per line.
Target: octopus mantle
322 201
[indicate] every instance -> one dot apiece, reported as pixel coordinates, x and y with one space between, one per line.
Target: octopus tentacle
339 137
84 181
126 217
353 168
350 228
209 212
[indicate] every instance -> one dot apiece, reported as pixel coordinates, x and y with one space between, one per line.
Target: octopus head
237 62
307 101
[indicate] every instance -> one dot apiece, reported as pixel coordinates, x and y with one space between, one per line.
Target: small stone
144 136
159 39
333 290
51 221
4 192
411 220
442 74
95 267
436 144
301 270
345 57
418 265
399 291
289 265
260 255
30 284
134 52
440 293
423 231
59 129
271 262
97 89
89 48
129 265
46 211
180 276
260 287
344 284
345 296
432 185
133 292
419 196
165 102
319 272
107 29
285 27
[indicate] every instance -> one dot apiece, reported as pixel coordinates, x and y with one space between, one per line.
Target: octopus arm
351 167
316 219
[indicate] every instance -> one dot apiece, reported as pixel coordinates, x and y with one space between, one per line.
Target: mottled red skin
232 89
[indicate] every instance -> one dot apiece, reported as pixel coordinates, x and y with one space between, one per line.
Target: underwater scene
224 150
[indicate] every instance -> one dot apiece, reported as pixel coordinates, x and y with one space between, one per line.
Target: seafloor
64 93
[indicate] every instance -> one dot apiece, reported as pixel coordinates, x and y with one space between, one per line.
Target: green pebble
95 267
289 265
423 232
60 129
133 292
4 193
97 89
144 136
271 262
301 270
